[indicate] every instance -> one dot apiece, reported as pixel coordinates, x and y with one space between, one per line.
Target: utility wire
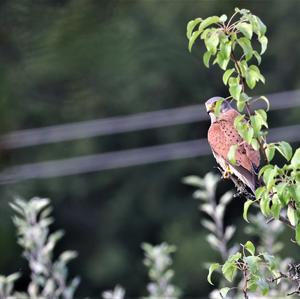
125 158
121 124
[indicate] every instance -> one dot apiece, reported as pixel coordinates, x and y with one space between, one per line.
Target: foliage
219 236
254 269
117 293
232 45
49 277
158 261
91 59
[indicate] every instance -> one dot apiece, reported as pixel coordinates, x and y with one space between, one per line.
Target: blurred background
78 62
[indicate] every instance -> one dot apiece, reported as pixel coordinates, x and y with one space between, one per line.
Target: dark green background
67 61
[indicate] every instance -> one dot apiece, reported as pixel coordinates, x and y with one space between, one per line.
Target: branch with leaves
249 272
232 43
215 209
49 277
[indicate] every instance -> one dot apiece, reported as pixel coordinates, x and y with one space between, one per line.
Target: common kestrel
222 135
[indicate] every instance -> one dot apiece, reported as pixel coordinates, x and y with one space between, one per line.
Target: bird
222 135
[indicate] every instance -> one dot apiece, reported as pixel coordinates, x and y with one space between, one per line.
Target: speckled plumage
221 136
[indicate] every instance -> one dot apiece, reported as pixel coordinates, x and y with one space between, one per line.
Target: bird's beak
210 108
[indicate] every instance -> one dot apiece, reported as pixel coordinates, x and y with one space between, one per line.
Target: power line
121 124
125 158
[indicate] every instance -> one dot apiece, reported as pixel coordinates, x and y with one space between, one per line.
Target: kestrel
222 135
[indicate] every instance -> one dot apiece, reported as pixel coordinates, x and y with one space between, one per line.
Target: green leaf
212 42
270 152
206 58
298 234
265 205
238 121
217 108
246 46
249 135
269 177
205 33
292 215
270 259
262 28
255 144
251 79
223 18
256 123
263 286
243 130
253 263
227 75
224 292
258 26
297 191
296 159
207 22
231 154
257 56
259 192
235 257
265 99
284 192
225 49
263 169
264 43
241 105
243 66
263 116
253 75
276 206
193 39
246 29
229 270
222 62
191 26
212 268
245 97
285 150
249 246
235 90
247 205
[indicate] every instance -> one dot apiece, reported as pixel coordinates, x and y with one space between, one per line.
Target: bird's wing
221 136
231 135
247 177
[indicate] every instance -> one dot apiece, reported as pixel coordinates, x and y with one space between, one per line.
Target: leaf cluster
223 39
254 268
219 235
158 261
232 44
49 277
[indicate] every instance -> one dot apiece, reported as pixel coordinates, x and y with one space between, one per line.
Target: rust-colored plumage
222 135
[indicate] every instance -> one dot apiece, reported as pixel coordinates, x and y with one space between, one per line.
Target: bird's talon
227 173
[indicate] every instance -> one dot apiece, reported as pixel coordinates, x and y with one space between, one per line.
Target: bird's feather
221 136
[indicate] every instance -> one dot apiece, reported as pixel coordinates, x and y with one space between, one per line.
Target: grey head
211 104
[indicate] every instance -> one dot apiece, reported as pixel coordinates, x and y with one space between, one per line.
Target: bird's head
215 106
